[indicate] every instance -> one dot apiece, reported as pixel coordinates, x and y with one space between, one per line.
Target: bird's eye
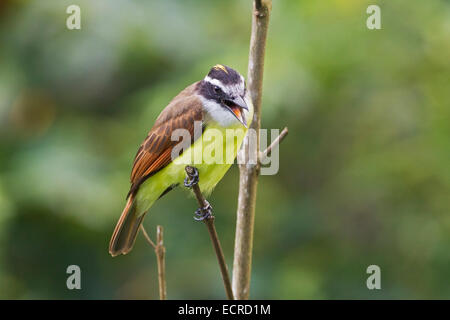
217 89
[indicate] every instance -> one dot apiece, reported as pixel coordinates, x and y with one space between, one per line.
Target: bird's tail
126 230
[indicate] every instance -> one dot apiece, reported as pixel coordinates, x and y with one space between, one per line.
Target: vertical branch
160 252
249 172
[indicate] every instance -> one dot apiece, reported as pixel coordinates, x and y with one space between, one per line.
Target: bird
217 104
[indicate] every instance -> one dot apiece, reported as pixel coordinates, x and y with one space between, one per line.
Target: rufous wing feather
126 230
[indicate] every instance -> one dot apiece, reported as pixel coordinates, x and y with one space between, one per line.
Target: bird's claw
192 179
203 213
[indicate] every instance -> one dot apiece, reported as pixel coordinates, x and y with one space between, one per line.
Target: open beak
236 106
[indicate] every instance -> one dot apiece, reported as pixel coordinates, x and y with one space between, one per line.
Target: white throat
223 117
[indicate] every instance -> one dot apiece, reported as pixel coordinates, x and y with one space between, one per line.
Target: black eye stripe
215 91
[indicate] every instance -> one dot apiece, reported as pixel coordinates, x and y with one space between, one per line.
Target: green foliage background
364 173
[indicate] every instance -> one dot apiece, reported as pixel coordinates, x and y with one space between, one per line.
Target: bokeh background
364 173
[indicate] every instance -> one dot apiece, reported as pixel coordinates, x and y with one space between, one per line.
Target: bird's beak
236 105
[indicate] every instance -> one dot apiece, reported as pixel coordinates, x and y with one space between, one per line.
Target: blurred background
364 173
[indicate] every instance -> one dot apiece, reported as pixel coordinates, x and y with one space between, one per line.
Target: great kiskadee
219 102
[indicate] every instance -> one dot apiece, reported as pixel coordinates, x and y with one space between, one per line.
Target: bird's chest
212 154
219 147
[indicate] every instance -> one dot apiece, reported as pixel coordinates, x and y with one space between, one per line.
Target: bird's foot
192 178
203 213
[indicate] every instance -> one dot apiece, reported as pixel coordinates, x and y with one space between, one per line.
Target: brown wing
155 152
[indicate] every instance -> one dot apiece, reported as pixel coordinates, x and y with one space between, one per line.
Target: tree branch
147 237
263 155
160 252
249 173
209 222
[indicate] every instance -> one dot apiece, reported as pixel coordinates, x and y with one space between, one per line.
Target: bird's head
224 93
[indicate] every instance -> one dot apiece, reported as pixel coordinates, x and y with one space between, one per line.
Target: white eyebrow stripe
215 82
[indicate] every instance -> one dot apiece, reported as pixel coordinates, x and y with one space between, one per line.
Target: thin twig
149 240
263 155
209 222
160 252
